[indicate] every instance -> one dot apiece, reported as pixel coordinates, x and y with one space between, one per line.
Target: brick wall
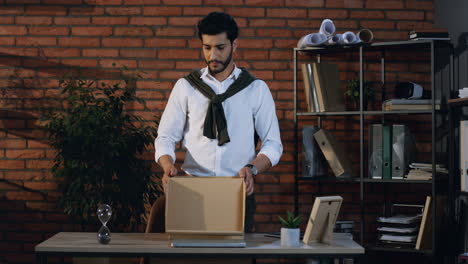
42 39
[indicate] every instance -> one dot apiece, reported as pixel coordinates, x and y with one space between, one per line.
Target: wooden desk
157 245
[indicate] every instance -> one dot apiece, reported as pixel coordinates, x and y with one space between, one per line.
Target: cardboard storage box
205 206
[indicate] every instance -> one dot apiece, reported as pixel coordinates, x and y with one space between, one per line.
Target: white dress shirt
184 117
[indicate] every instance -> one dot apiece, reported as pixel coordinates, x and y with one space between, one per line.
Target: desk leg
41 259
147 260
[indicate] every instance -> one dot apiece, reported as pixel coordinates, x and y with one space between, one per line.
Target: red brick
378 24
255 54
420 5
224 3
122 42
409 25
133 31
142 2
9 246
61 52
24 196
173 75
304 3
33 20
367 15
148 21
71 20
24 154
7 41
39 164
200 11
38 144
36 41
189 65
246 12
409 15
274 3
12 10
7 20
43 186
165 42
123 11
347 4
182 2
54 31
100 52
274 33
13 30
179 54
110 63
86 11
110 20
386 4
39 10
80 62
62 2
103 2
183 21
290 12
152 85
26 175
175 31
140 53
12 143
264 22
91 31
256 43
162 11
156 64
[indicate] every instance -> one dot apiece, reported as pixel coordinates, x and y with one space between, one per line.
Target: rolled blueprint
348 38
327 28
365 35
310 40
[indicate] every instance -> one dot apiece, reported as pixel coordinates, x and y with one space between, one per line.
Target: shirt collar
205 73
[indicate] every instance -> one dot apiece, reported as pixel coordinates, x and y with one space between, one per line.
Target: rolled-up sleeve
172 123
266 125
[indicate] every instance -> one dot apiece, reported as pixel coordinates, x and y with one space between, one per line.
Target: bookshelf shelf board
327 113
366 113
328 179
400 250
458 102
395 181
463 193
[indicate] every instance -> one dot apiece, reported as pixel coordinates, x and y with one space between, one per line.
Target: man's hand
246 174
169 169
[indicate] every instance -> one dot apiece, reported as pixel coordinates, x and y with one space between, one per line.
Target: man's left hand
246 174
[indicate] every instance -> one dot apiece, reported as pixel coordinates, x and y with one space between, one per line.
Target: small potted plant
353 93
290 230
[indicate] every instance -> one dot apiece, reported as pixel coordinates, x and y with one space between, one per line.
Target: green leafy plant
353 92
98 151
291 220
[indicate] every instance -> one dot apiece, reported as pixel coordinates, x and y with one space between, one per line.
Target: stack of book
409 104
322 87
429 33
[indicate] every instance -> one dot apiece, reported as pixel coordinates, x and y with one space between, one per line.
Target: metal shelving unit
439 91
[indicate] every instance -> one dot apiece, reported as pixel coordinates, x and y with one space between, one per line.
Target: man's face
217 50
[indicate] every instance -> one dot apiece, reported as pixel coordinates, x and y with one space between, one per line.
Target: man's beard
223 63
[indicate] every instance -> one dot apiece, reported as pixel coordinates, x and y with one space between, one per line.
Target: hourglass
104 213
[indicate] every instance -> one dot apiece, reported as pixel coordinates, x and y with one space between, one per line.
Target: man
216 112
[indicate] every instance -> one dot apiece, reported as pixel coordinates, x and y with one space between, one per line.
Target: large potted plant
98 152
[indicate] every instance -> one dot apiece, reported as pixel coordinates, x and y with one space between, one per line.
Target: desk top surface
139 243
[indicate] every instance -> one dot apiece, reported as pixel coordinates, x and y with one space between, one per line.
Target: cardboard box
205 206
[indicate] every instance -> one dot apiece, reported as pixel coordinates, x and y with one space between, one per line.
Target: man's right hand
169 169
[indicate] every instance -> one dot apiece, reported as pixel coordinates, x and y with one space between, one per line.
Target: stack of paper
462 93
399 229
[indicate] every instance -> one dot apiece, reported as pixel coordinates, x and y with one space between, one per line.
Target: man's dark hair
216 23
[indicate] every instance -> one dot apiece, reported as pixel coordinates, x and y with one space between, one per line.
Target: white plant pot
290 237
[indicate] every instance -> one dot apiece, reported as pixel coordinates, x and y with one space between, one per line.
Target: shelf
328 179
349 113
458 102
396 181
398 250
